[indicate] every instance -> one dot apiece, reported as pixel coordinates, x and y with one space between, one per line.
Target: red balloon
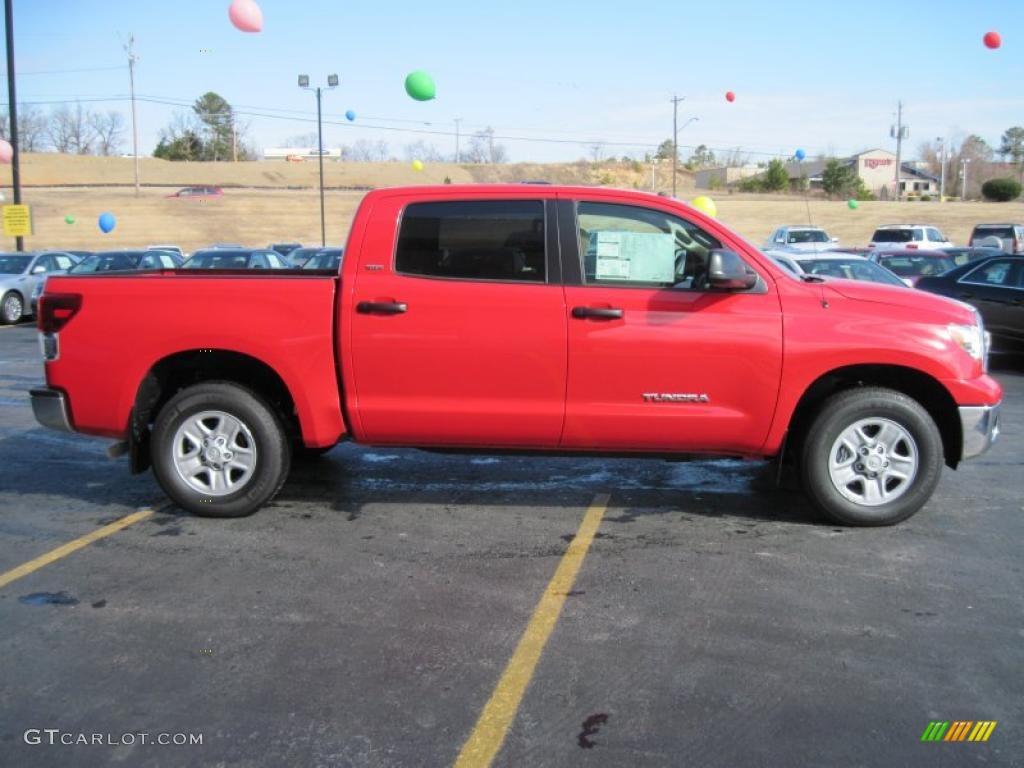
992 40
730 96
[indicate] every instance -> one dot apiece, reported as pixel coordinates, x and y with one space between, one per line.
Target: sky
553 78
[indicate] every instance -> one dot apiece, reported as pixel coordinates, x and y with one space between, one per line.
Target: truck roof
516 190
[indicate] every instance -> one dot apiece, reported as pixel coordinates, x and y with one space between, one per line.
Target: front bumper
979 427
50 407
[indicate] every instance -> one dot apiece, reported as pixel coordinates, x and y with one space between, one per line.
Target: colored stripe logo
959 730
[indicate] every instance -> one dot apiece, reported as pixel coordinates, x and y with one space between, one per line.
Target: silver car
796 238
19 275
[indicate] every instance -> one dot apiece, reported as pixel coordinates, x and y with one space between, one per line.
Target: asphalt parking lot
367 617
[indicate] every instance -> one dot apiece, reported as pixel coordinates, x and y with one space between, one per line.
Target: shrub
1001 190
926 198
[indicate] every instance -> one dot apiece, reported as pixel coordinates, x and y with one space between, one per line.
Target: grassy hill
276 201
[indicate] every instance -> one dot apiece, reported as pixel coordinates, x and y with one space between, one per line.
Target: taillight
912 246
55 310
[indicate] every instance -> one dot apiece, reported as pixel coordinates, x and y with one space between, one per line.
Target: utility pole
963 177
942 169
899 132
234 142
457 121
675 137
132 58
12 106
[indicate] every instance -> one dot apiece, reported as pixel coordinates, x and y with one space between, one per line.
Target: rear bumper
980 428
50 408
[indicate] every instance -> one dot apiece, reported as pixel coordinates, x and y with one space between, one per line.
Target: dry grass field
277 213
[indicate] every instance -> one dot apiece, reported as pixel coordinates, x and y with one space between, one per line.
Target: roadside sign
17 220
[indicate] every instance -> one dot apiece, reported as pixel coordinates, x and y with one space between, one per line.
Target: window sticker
643 257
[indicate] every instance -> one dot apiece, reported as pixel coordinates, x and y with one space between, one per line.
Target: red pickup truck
522 318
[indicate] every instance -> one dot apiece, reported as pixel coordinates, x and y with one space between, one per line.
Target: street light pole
332 82
675 138
12 111
963 178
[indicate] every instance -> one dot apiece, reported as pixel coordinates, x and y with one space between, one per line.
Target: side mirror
835 239
38 269
727 271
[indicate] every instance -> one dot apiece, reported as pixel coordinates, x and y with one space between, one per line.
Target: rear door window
935 236
473 240
993 273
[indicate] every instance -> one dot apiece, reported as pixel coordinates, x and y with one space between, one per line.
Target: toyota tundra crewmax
522 318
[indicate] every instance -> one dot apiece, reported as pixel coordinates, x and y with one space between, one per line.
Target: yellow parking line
72 546
496 718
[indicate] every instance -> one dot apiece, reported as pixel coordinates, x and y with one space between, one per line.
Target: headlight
970 337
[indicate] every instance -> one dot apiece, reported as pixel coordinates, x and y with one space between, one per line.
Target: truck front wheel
872 456
218 450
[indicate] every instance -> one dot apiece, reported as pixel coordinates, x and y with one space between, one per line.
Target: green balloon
851 204
69 219
420 86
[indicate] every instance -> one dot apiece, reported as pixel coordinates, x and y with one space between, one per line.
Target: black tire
12 307
841 412
272 449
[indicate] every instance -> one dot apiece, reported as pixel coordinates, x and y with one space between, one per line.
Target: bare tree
108 130
32 131
69 130
421 150
381 150
482 148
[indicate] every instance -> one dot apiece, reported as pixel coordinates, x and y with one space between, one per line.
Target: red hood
920 302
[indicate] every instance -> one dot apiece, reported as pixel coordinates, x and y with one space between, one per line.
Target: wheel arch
921 387
177 371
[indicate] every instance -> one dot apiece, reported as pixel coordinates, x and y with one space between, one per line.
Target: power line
66 71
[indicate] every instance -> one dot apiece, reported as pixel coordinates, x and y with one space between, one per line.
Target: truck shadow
350 478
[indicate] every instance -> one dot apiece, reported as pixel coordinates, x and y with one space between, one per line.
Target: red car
529 318
912 265
202 192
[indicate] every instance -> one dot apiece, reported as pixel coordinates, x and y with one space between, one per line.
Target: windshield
915 266
13 265
107 262
809 236
854 268
327 259
893 236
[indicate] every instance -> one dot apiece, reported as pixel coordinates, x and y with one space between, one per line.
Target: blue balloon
350 115
800 154
107 222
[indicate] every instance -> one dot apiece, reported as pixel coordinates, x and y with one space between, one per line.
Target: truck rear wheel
872 456
218 450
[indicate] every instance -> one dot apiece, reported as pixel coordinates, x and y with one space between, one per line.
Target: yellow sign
17 220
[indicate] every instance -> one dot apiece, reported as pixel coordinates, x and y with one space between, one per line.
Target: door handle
600 313
381 307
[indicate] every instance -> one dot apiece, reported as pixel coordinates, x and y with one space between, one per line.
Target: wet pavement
365 617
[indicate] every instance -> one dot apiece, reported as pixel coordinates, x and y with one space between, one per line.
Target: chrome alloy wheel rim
214 453
873 462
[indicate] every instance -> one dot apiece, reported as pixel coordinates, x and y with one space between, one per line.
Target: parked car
284 249
462 321
19 275
173 248
325 258
909 236
115 261
800 238
127 261
236 258
1010 236
299 256
203 192
833 264
964 255
911 266
995 287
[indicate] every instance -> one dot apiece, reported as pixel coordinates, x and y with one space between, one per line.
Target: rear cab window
473 240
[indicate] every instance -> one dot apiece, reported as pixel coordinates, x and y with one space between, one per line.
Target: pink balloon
246 15
6 151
